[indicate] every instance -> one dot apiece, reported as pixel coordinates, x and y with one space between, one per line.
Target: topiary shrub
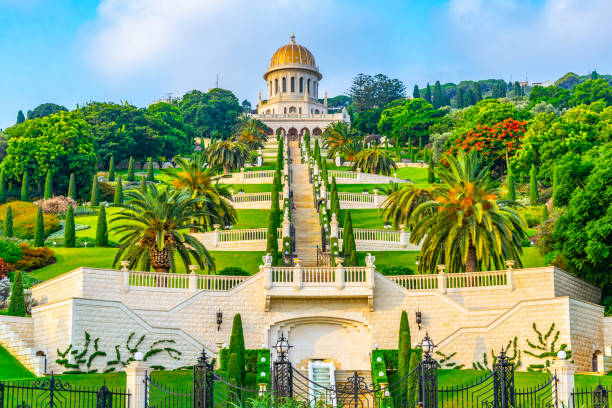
24 219
237 346
233 271
10 251
34 258
17 301
394 270
107 191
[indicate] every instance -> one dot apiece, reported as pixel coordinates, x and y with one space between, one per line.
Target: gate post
203 382
564 376
428 375
282 384
135 381
504 382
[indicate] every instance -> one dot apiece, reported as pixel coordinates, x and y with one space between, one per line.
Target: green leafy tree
39 230
590 91
48 185
431 177
25 186
211 114
72 187
374 161
369 91
404 346
150 171
415 92
349 246
228 155
477 92
409 118
102 228
438 98
341 138
8 223
118 199
111 169
237 347
69 229
428 93
20 117
555 187
95 192
2 187
460 98
554 95
533 186
153 229
17 305
130 172
45 109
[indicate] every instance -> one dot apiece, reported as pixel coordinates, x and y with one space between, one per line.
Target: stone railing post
297 274
510 274
266 268
403 238
286 226
323 190
441 279
339 273
395 179
135 376
370 268
286 191
242 175
263 388
126 275
564 371
338 160
193 279
358 174
333 223
216 235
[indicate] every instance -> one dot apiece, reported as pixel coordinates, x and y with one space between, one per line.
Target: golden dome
292 53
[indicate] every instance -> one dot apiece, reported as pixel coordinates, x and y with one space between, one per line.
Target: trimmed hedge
252 359
389 356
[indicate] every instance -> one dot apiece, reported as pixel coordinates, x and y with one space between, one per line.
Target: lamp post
428 375
282 385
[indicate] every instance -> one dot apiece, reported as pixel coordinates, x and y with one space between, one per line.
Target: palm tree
152 227
251 132
461 222
375 161
194 175
401 203
340 138
227 154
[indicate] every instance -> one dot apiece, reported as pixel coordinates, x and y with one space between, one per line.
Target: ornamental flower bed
24 219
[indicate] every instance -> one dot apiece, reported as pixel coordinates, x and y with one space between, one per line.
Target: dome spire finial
292 38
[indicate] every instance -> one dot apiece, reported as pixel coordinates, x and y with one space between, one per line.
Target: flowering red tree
493 142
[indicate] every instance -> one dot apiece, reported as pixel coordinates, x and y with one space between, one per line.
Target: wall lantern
419 318
427 345
219 319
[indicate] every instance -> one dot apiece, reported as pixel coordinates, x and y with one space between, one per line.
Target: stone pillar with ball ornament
564 371
136 377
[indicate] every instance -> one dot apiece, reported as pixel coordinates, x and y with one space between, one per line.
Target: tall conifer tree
48 185
150 173
25 186
477 92
130 172
17 305
102 229
533 186
118 198
2 187
20 117
8 223
438 99
111 169
72 187
348 242
95 192
69 231
236 345
39 229
404 346
415 92
428 93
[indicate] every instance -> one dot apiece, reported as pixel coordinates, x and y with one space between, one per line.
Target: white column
333 223
564 370
403 236
441 279
135 373
370 268
242 175
286 227
216 235
338 159
266 268
193 279
358 174
339 274
510 274
126 275
297 274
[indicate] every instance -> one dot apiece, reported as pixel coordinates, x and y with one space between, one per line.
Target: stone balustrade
191 282
448 282
358 177
368 239
253 239
361 200
253 201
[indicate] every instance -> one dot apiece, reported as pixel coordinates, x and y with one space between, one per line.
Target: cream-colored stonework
324 317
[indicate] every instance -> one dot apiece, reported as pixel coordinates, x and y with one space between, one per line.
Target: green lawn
10 367
417 175
251 188
365 218
359 188
69 259
252 219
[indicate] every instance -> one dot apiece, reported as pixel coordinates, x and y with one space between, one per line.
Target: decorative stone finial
124 265
441 268
267 259
292 38
370 259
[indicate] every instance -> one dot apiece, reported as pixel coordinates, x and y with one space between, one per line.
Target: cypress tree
95 191
428 93
130 172
118 199
48 185
72 187
233 370
102 229
348 242
273 224
17 302
8 223
69 233
510 184
517 89
544 212
150 174
438 99
460 98
420 146
533 186
143 185
25 186
404 347
39 231
2 187
477 92
111 169
416 93
555 185
469 99
431 177
412 382
20 117
237 346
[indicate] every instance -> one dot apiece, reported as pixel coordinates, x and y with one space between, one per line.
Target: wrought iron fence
598 397
53 393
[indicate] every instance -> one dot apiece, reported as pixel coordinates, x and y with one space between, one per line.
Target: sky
73 52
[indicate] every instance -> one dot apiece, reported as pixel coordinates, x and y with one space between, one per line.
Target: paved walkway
304 217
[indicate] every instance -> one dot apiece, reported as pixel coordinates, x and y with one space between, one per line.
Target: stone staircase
21 350
304 217
345 389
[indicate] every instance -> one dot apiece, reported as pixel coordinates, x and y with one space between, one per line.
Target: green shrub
24 219
17 303
233 271
394 270
34 258
111 169
130 172
10 251
26 279
72 187
69 229
233 370
107 192
531 214
262 365
39 231
102 229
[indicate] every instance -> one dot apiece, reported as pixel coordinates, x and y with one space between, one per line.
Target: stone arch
268 112
303 131
317 131
292 133
282 131
595 362
292 109
345 341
